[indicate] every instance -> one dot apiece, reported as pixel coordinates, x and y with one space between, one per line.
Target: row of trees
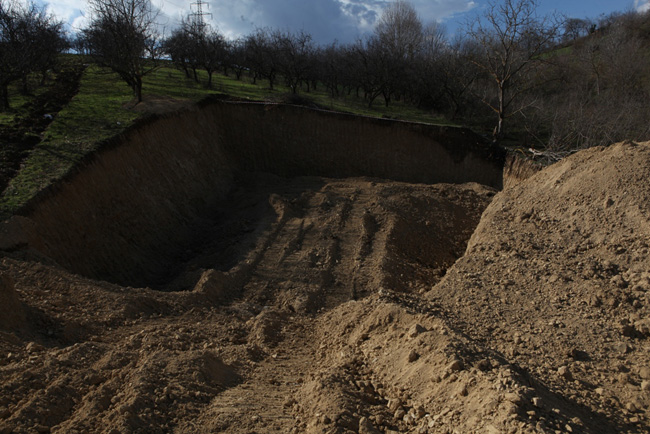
30 41
567 83
564 83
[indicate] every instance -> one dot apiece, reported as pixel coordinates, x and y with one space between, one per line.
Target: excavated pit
294 287
200 189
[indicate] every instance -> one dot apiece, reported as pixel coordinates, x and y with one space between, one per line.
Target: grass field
101 109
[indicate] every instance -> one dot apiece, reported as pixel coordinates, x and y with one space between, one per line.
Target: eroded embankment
135 207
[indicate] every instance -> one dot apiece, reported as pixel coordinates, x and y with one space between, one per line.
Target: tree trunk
24 88
4 98
209 79
498 130
137 89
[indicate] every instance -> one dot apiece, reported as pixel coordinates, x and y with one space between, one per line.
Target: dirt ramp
556 279
241 349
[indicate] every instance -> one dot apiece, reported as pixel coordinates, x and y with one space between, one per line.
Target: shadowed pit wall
126 212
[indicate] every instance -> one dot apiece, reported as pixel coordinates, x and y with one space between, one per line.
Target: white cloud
72 12
326 20
642 5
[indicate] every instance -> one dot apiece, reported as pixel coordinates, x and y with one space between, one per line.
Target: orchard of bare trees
515 75
30 42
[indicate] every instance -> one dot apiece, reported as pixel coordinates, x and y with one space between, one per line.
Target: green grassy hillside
103 107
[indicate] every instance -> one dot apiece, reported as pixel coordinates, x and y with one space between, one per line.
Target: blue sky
329 20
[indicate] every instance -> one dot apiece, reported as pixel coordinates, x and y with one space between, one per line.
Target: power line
197 16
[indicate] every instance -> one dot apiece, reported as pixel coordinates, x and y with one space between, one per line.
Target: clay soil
357 306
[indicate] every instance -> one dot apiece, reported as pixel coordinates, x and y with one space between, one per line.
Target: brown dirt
334 306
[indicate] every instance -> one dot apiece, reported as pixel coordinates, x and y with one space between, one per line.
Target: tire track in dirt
238 331
326 248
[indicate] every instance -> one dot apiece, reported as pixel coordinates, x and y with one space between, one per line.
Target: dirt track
320 305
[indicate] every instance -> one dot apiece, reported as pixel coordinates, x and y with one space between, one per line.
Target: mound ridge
555 280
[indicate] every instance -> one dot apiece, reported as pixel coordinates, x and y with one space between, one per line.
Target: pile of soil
358 306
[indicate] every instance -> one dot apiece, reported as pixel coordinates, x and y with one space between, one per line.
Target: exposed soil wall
290 141
126 214
123 216
518 169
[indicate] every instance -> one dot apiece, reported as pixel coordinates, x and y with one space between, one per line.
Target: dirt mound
555 279
358 306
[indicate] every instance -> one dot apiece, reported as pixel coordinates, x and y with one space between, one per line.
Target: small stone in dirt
643 327
645 386
565 372
33 347
537 401
416 330
644 373
515 398
366 427
399 414
483 365
618 281
622 347
394 404
577 354
623 378
413 356
455 366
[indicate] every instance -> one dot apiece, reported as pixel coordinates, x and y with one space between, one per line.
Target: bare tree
397 40
30 41
237 57
182 48
400 30
262 56
510 37
604 92
122 36
293 53
212 52
576 28
427 68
